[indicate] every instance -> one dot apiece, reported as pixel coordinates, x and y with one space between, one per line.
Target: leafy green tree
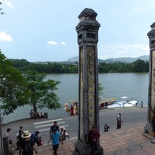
42 91
13 90
140 66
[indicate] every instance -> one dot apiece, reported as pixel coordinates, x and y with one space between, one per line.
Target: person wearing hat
27 144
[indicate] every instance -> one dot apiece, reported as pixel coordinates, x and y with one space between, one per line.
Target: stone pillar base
84 149
148 129
153 141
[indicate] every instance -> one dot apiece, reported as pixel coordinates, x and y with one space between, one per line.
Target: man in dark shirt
93 136
54 126
21 129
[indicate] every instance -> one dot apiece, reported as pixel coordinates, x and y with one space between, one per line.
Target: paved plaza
129 141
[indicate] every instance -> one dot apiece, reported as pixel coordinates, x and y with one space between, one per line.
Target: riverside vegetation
55 67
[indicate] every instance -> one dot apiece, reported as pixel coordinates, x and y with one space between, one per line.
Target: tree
13 89
42 91
140 66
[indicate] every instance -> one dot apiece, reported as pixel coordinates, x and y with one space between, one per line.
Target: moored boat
107 102
123 103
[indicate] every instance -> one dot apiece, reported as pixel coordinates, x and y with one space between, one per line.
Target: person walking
18 142
27 144
93 136
56 137
21 129
119 121
34 137
52 128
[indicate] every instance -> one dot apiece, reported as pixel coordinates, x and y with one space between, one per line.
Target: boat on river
123 103
106 102
111 102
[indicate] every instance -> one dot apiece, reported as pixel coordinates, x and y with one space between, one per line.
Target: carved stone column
87 36
151 91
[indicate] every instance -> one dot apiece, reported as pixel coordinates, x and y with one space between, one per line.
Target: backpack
27 150
34 137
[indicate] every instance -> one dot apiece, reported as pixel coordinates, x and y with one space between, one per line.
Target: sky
44 30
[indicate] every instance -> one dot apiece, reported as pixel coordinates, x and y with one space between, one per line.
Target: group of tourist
25 141
36 114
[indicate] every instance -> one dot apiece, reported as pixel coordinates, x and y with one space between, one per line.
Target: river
133 85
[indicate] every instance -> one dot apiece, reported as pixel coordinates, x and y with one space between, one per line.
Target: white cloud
52 43
123 50
55 43
63 43
9 4
5 37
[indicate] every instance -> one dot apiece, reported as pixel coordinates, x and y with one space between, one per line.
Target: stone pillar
151 90
87 36
6 146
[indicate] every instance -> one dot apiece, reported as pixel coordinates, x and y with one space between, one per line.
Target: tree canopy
28 88
42 92
13 86
55 67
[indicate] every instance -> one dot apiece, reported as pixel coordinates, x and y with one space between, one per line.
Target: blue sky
44 30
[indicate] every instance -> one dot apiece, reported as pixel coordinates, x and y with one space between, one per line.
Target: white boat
124 103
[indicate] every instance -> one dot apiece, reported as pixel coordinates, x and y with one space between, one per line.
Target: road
130 117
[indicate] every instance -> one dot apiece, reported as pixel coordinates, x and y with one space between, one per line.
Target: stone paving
129 141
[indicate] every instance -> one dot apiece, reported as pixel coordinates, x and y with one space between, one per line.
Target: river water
133 85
